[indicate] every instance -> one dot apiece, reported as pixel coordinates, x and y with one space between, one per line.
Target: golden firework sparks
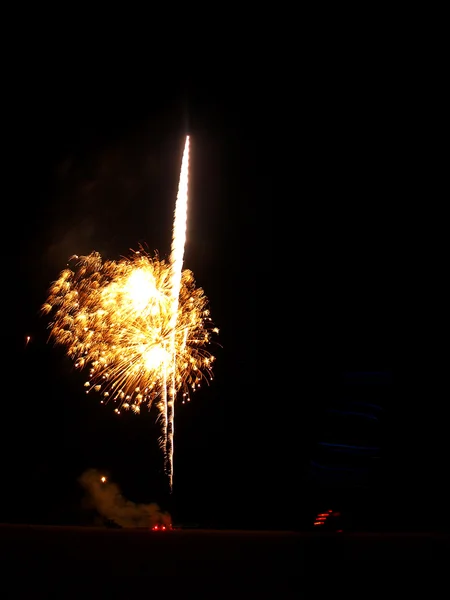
116 318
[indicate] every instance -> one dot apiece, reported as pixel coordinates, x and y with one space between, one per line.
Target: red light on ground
321 519
161 527
318 523
323 514
336 514
330 511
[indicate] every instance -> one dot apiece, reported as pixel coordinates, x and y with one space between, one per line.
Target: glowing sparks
124 332
140 325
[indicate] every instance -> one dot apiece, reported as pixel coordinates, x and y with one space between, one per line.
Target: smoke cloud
107 499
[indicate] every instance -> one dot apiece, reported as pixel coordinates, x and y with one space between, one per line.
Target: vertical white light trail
176 261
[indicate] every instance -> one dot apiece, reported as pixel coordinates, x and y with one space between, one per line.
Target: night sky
296 232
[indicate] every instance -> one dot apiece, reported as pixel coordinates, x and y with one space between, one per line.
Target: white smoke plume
107 499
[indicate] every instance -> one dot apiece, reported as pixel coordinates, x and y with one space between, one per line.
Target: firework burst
139 324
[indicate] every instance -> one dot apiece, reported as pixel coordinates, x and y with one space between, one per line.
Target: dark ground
110 555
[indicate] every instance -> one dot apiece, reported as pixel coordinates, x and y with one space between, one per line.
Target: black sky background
297 231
